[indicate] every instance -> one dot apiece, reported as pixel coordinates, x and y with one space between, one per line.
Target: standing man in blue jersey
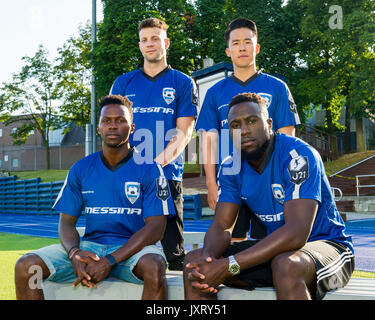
164 107
305 252
242 47
126 207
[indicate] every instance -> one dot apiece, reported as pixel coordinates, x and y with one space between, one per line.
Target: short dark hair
250 97
152 23
240 23
116 99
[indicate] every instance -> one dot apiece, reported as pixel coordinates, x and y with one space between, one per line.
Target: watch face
234 269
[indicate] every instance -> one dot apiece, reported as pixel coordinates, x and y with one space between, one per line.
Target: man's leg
173 241
151 268
30 270
247 220
294 276
319 266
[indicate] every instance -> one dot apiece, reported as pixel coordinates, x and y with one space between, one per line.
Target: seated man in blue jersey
305 251
126 206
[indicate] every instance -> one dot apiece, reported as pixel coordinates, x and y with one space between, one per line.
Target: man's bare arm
177 144
209 159
288 130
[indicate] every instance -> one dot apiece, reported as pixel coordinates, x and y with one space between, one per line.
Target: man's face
254 128
115 125
242 47
153 43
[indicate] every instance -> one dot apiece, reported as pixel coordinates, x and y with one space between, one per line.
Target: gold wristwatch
234 267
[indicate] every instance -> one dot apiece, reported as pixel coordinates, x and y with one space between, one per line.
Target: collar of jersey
160 74
245 83
268 156
120 163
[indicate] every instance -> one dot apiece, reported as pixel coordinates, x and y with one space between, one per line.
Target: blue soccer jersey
115 201
294 170
214 112
157 103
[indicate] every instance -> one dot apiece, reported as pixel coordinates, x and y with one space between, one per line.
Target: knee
192 256
26 266
153 269
287 268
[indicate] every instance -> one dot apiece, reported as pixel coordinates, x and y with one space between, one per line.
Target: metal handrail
333 190
363 186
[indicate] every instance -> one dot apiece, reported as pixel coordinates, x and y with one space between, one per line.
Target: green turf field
12 247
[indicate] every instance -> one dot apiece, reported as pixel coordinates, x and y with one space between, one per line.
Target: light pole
90 141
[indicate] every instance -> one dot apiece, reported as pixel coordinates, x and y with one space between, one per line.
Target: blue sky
24 24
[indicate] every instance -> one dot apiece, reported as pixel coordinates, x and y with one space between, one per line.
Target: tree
336 54
33 96
73 72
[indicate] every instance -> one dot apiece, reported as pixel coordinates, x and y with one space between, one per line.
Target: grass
346 160
12 247
45 175
59 175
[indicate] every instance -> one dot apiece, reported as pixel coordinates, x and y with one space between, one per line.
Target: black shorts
173 241
248 220
334 263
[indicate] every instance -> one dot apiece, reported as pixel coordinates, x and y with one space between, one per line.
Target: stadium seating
31 196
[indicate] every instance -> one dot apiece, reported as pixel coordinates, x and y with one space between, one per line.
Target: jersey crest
278 192
266 97
169 95
132 191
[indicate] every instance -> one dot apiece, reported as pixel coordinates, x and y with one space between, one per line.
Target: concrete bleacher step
114 289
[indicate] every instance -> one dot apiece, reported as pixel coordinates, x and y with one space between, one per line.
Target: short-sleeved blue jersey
294 170
157 103
116 201
214 112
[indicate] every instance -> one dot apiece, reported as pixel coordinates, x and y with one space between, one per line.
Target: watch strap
111 260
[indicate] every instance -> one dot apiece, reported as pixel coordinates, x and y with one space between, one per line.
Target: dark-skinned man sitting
126 206
305 251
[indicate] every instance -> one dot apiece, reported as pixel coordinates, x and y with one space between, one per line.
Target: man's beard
255 154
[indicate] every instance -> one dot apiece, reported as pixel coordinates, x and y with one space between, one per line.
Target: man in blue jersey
305 252
242 47
164 107
126 207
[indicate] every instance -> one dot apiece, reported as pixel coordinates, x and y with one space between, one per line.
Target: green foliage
32 95
73 69
337 60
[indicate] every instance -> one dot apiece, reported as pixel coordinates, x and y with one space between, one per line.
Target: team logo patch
278 192
162 188
298 169
194 96
266 97
169 95
132 191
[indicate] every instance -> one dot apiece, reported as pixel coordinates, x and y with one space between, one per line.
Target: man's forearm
216 241
210 172
68 235
178 143
173 149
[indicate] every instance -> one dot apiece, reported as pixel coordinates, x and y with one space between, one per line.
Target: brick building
65 149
